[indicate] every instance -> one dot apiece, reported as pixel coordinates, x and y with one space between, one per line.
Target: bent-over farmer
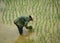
22 21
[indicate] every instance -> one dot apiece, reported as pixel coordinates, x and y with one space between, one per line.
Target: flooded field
46 24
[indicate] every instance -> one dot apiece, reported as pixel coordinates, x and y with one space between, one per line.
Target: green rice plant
45 14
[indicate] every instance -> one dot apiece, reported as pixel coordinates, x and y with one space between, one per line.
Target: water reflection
25 38
20 39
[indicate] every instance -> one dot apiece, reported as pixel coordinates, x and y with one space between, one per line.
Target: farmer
20 22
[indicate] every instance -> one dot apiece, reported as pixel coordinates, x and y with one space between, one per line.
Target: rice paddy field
46 24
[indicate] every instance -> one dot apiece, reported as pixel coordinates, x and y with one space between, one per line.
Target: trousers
20 28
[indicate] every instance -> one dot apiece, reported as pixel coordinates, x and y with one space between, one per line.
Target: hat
31 19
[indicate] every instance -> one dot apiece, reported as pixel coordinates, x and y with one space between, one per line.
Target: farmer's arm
26 22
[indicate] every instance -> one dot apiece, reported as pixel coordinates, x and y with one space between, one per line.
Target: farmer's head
31 19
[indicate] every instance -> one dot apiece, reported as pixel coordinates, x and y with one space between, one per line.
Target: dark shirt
22 21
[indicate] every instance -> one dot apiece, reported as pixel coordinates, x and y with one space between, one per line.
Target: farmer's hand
27 27
30 28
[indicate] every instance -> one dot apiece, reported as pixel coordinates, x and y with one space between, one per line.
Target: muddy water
10 34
